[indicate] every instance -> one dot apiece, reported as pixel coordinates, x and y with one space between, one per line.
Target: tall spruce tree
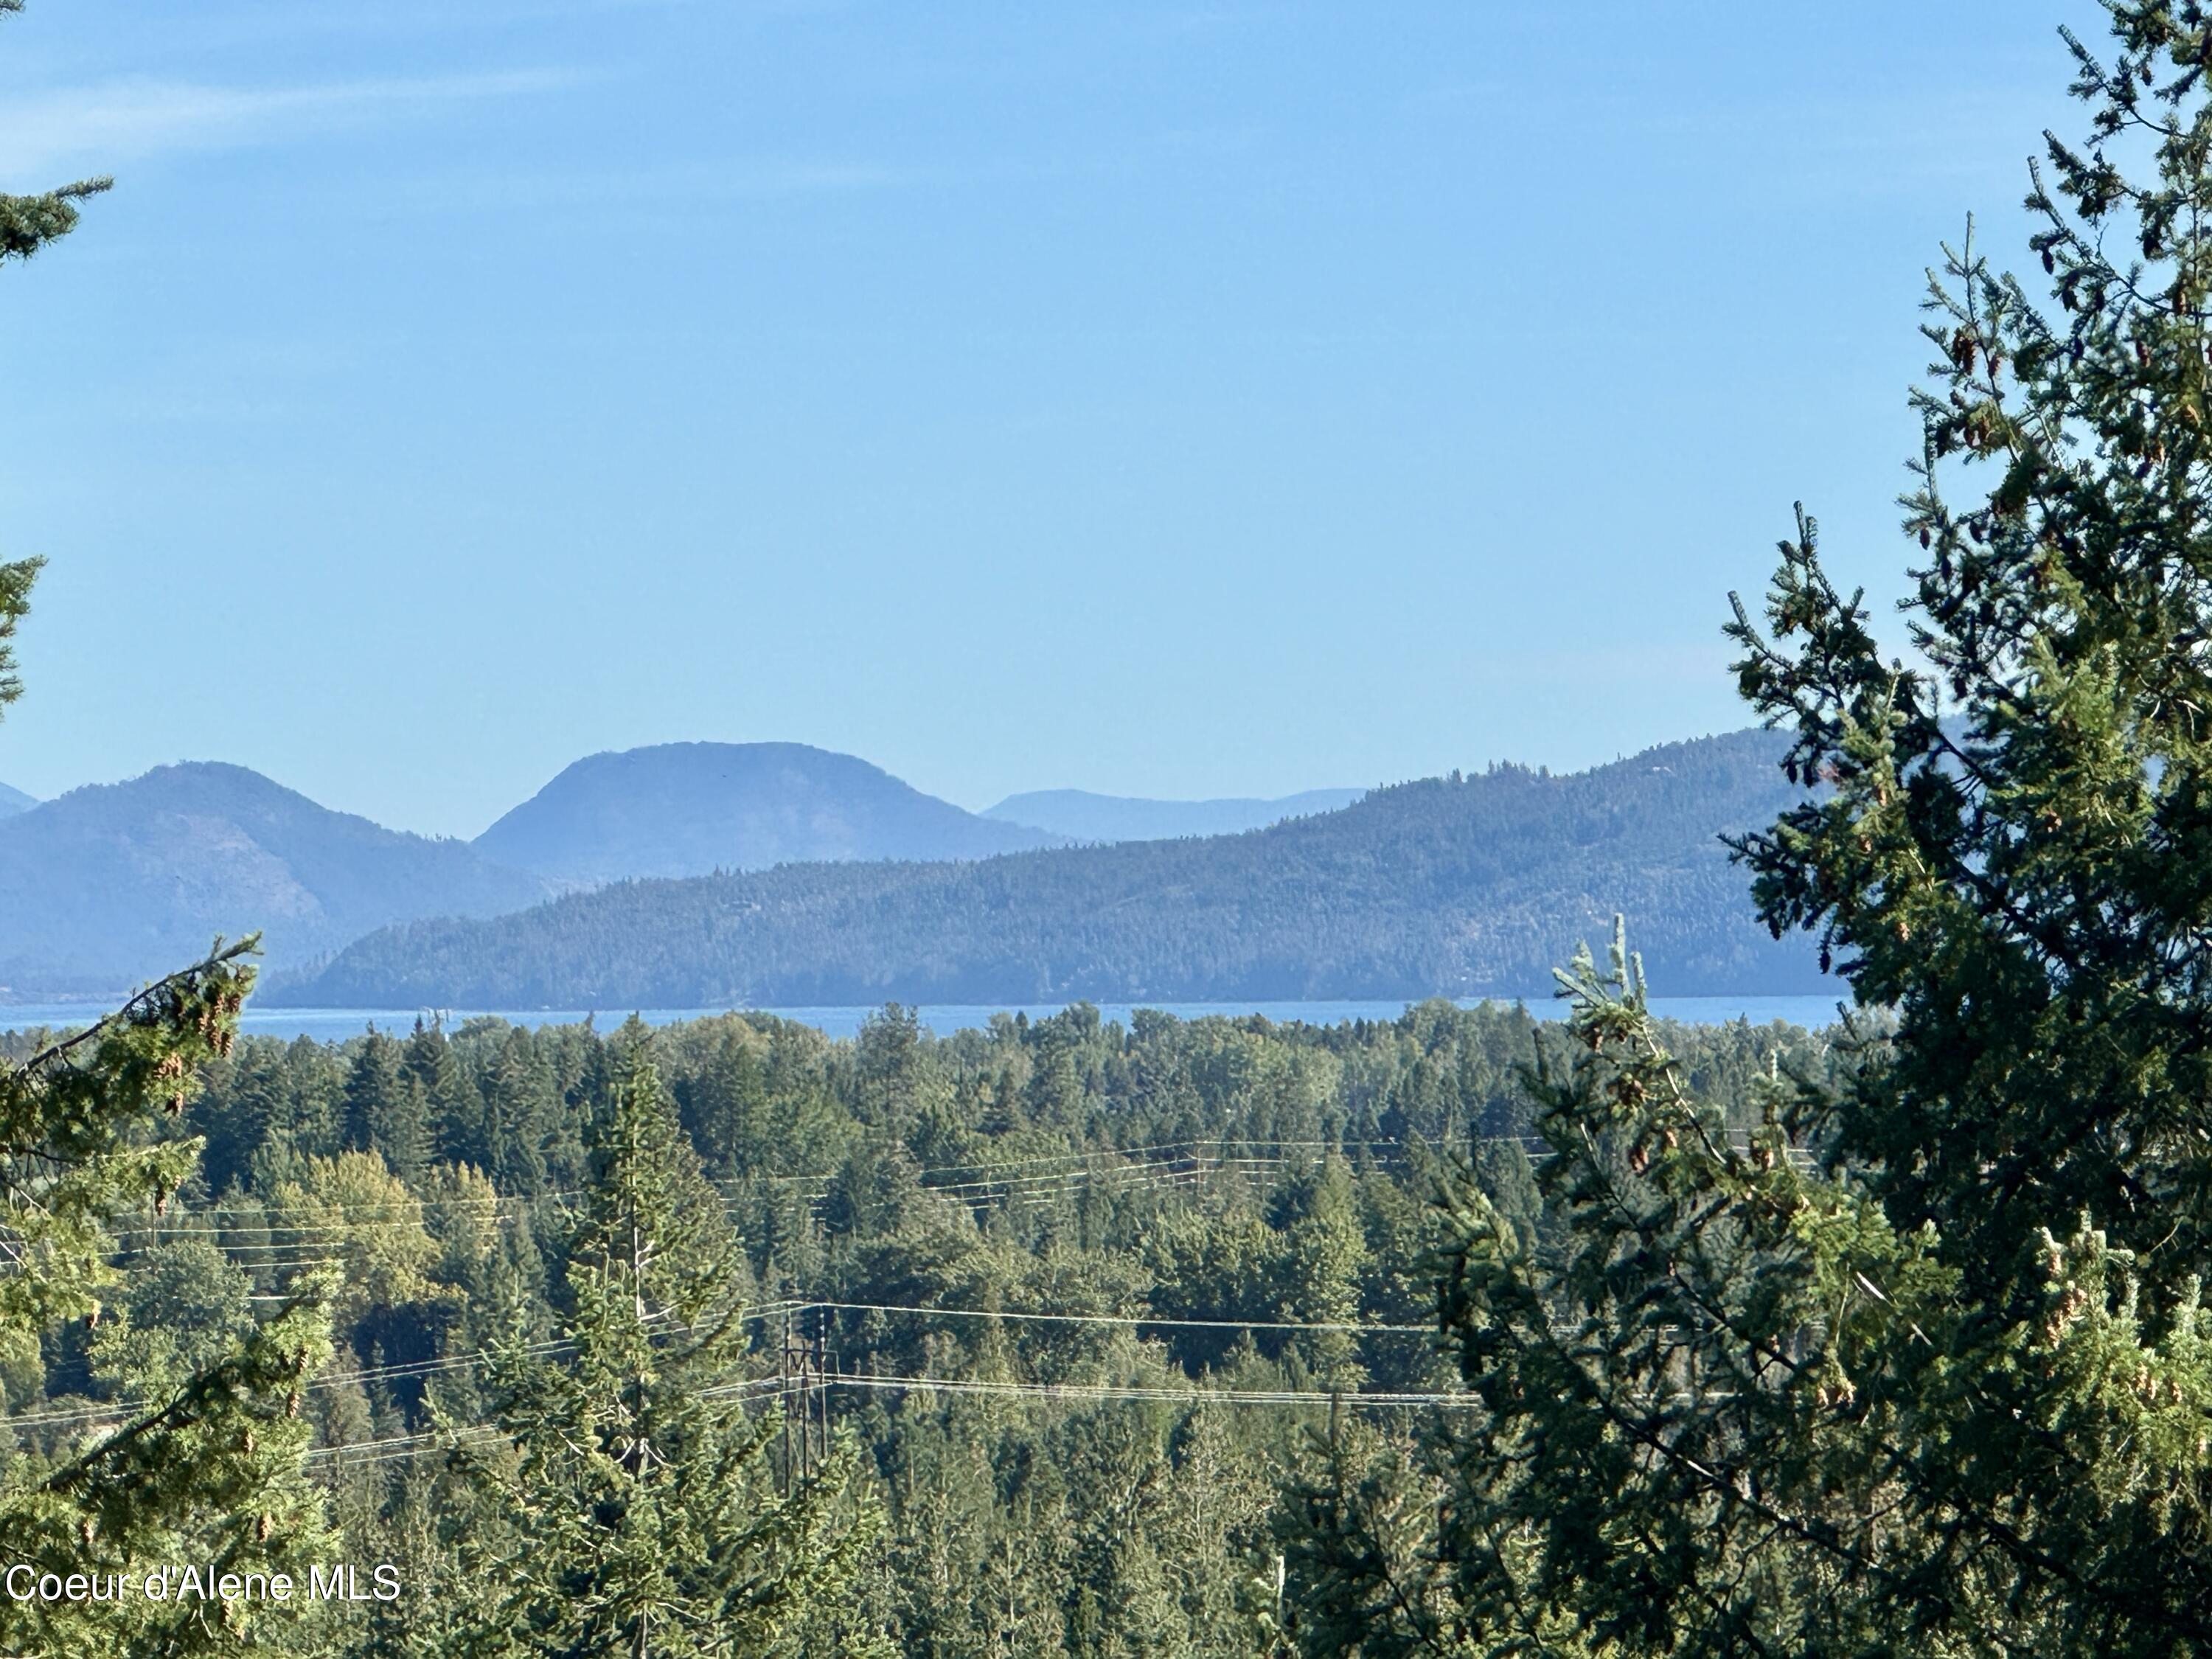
205 1465
1920 1364
639 1511
387 1110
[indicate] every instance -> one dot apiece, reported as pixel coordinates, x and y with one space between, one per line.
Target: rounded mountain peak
687 809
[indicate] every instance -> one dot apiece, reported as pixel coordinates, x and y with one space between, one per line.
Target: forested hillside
1459 885
687 809
1082 816
100 884
13 801
1067 1298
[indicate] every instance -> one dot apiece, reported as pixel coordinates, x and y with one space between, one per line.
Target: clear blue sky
1160 399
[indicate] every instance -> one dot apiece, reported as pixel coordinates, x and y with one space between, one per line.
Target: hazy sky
1160 399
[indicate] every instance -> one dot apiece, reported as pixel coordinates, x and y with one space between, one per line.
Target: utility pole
821 1376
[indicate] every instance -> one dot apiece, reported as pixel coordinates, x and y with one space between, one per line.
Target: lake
336 1024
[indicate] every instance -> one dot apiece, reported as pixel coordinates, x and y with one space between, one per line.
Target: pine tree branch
139 1004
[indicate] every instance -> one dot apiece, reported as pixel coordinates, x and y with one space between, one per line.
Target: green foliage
364 1221
1917 1361
27 223
643 1517
387 1107
1122 1514
184 1307
15 580
205 1462
199 1456
200 1460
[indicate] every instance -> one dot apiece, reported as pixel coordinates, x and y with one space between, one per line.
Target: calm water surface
335 1025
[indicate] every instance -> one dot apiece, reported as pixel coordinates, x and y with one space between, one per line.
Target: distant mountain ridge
13 801
112 884
687 809
1081 816
1457 886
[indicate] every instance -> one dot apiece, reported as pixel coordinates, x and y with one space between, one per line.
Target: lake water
336 1024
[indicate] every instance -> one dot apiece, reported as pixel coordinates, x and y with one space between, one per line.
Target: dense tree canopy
1451 1335
1054 1297
1921 1364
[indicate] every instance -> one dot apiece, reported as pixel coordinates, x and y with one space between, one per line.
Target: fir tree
519 1108
387 1110
641 1511
1920 1364
726 1110
455 1125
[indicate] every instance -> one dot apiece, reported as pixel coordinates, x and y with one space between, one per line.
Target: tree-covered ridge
100 882
1454 886
1081 814
1078 1291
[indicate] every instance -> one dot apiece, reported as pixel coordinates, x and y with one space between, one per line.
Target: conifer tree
454 1125
641 1514
387 1110
206 1467
518 1106
1921 1364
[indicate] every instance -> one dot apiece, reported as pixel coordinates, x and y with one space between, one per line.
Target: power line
192 1227
1138 1391
397 1370
1119 1319
405 1446
409 1206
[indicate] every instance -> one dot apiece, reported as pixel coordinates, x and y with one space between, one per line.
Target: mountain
112 884
13 801
1458 886
686 809
1081 816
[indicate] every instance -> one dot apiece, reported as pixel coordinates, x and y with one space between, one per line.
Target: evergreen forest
1461 1335
1031 1328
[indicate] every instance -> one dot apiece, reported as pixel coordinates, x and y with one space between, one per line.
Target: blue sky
1160 399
